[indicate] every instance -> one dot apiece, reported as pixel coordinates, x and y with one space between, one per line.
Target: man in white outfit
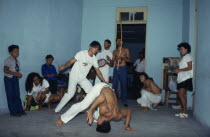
105 55
84 104
83 61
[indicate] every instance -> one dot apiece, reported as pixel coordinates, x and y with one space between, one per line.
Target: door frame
133 9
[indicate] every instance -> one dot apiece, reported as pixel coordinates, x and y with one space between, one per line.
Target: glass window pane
124 16
139 16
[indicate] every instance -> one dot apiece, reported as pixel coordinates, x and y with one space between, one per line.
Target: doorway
134 36
134 26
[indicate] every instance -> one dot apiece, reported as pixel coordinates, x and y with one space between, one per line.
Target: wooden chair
168 98
167 90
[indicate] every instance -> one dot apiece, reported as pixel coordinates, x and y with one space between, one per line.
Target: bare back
150 86
110 105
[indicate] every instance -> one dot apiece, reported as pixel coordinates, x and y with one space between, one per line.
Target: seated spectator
62 80
150 93
38 89
50 74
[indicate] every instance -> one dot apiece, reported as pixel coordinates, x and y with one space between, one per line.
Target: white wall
39 27
164 28
202 77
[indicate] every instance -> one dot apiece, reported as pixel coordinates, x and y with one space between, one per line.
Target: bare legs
183 99
42 97
144 109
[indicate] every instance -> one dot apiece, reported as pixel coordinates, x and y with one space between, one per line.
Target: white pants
148 98
85 84
84 104
46 99
105 73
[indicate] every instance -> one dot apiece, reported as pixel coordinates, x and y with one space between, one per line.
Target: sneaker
183 115
95 121
176 107
178 115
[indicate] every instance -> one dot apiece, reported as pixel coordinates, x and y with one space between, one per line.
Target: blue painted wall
186 13
39 27
164 29
188 35
202 94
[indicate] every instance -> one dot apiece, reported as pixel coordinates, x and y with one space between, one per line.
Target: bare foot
144 109
55 112
59 122
137 106
40 107
154 106
49 105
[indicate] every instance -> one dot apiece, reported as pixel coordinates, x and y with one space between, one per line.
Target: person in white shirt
185 75
105 55
139 67
139 64
83 61
38 88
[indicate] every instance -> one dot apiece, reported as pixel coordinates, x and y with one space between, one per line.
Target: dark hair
107 40
49 57
12 47
144 74
184 45
117 39
141 53
105 127
29 81
95 44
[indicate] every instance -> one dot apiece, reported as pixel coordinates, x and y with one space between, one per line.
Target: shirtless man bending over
107 109
150 94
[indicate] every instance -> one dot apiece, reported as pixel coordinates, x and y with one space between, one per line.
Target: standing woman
38 89
185 75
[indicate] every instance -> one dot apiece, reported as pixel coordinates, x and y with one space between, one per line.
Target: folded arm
7 71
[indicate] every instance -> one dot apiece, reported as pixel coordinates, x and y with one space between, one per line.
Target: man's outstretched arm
127 114
62 67
99 74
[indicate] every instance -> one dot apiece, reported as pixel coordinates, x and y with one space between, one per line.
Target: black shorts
187 84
